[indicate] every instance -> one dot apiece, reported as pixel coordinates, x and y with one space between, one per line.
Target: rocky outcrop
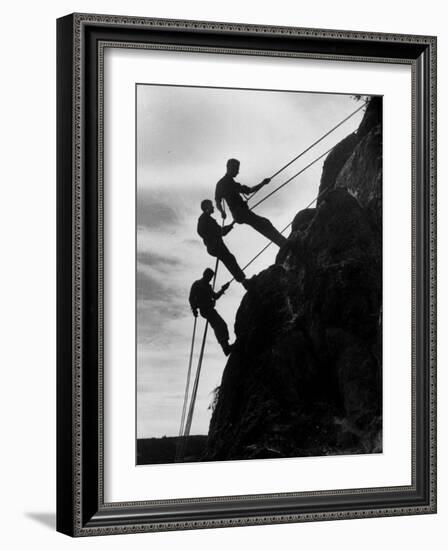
355 163
305 375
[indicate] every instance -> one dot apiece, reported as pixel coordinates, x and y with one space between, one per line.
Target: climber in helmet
203 298
212 234
229 190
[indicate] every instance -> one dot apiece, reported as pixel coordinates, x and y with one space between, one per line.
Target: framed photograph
246 274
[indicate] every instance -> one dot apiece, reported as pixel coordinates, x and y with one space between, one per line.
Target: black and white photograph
258 274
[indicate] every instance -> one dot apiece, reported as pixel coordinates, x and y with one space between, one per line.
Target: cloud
152 213
196 243
149 287
157 259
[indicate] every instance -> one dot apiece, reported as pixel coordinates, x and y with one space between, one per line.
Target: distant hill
162 450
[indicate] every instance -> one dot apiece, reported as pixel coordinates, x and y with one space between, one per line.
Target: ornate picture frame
81 506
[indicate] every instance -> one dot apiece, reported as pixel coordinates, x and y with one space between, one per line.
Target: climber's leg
219 326
228 259
265 227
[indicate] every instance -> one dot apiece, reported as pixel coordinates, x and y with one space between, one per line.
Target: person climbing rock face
203 298
212 234
229 190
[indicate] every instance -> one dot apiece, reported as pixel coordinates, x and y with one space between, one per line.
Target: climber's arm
219 200
193 301
246 190
226 229
217 295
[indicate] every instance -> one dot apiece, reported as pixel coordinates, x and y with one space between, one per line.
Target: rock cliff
305 376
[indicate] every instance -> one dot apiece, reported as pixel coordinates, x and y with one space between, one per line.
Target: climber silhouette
212 234
229 190
203 297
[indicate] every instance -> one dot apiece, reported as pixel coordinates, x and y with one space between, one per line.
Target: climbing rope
312 145
187 386
291 178
196 384
198 371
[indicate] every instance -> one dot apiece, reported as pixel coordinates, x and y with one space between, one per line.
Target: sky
184 137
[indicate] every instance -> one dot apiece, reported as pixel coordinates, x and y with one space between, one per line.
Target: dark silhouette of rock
303 219
305 375
334 163
360 150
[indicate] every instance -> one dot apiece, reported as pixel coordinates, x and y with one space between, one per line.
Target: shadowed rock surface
305 377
